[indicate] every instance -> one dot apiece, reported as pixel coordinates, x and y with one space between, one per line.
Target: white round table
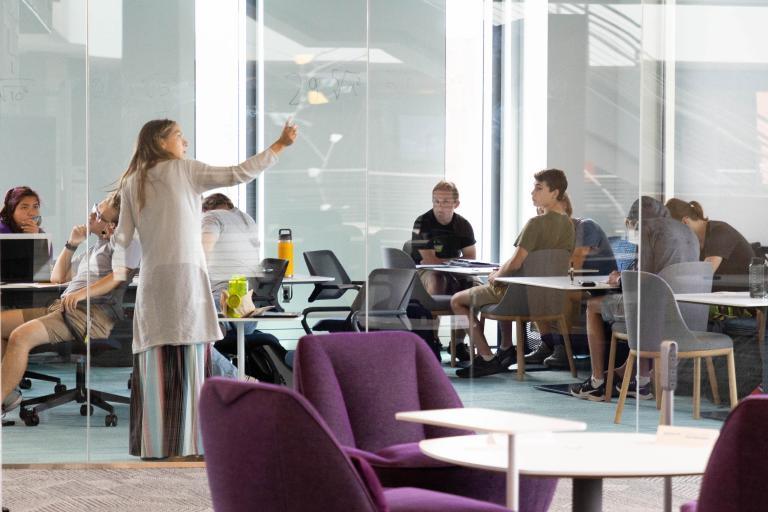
586 457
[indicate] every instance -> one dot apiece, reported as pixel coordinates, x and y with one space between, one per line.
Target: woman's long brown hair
148 154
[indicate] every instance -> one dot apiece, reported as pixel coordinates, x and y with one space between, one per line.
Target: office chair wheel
59 388
25 383
84 410
110 420
29 417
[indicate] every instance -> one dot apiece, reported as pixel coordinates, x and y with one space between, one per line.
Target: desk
454 269
288 282
741 300
489 420
240 329
586 457
561 282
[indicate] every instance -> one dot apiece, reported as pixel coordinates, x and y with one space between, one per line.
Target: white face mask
633 236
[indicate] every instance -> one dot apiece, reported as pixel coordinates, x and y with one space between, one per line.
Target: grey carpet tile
65 490
186 490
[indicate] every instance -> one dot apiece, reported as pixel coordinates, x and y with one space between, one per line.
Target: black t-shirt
722 239
447 240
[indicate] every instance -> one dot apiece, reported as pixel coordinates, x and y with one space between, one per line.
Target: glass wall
628 99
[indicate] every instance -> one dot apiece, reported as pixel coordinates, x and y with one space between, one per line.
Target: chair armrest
319 309
375 313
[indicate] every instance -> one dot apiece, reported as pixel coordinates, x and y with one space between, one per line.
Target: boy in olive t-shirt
551 230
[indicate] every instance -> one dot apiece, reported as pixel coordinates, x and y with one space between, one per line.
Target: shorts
53 321
612 308
486 294
453 283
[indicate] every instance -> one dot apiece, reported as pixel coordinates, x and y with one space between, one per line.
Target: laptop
25 258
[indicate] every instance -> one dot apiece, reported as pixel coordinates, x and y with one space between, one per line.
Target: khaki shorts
486 294
53 321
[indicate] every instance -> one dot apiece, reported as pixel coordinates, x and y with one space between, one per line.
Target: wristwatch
69 246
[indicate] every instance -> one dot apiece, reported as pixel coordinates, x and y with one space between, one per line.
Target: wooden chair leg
611 369
732 379
452 343
696 388
520 349
662 415
657 381
624 387
712 376
568 347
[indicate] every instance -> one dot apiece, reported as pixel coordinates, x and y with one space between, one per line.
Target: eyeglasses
99 217
444 202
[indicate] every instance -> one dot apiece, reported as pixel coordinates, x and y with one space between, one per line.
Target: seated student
21 211
664 243
551 230
231 245
721 245
24 329
440 235
593 252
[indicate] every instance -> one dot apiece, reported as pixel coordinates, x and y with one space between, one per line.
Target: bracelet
70 247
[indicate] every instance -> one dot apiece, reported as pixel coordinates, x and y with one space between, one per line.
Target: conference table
598 282
511 424
585 457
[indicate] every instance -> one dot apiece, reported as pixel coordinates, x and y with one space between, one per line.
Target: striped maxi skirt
165 390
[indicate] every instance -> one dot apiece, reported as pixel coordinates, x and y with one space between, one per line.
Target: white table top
31 286
267 315
490 420
305 279
736 299
561 282
575 455
451 269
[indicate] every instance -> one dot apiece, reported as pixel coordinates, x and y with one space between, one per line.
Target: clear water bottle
757 278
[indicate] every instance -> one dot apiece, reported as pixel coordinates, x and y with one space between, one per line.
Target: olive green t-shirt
549 231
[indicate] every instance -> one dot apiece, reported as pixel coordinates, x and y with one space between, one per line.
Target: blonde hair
446 186
148 153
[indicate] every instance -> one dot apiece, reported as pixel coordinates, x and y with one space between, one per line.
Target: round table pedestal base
587 494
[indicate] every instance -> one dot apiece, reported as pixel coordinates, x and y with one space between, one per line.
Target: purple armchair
358 381
267 449
738 466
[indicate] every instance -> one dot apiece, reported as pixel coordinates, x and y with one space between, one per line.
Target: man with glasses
438 236
25 329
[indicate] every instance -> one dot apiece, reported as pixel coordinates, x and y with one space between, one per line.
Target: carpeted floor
186 490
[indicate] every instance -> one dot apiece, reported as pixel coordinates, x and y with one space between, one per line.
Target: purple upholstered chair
738 466
358 381
267 449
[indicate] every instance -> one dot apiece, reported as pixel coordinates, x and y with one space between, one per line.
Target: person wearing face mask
24 329
664 243
722 246
21 211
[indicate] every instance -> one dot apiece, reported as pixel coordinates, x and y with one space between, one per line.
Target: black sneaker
462 352
480 368
644 393
506 356
587 391
539 355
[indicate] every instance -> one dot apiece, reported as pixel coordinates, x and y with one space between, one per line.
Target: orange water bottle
285 249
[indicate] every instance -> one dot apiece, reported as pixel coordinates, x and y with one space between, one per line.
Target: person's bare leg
23 339
506 333
9 320
460 304
596 336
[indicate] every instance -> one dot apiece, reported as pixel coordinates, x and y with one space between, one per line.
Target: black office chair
325 263
266 286
380 305
30 408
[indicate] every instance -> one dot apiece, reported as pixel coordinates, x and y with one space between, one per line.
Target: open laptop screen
25 258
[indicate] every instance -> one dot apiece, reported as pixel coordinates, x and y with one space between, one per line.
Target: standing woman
721 245
21 211
174 319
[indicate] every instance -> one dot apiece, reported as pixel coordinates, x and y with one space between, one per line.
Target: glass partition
391 98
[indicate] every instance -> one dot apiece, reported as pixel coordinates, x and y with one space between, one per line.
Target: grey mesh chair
380 305
656 317
534 303
438 305
325 263
686 277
